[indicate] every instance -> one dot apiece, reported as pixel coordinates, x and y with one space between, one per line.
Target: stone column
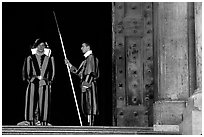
192 115
171 50
198 43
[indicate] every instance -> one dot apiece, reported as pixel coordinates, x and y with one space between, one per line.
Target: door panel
133 54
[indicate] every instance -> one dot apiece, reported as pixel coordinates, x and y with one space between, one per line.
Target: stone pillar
171 50
192 115
198 43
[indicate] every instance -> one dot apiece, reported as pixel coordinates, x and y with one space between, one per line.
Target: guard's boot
32 123
89 120
92 120
44 123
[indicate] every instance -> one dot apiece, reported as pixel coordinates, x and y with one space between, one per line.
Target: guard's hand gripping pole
68 69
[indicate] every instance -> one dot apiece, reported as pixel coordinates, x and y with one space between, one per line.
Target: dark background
22 23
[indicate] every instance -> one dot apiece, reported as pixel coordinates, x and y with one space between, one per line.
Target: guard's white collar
46 51
88 53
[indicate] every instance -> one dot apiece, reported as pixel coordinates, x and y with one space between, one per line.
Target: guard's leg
92 120
44 123
32 123
89 120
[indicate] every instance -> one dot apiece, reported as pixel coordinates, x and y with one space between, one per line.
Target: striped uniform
88 72
38 91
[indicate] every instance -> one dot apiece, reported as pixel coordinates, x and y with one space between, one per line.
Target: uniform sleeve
53 68
27 69
91 71
78 71
73 69
90 66
87 81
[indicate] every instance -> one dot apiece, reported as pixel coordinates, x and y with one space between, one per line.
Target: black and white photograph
101 68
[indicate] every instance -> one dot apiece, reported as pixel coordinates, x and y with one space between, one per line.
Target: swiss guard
88 72
38 71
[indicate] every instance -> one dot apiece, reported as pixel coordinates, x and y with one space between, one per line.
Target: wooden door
133 64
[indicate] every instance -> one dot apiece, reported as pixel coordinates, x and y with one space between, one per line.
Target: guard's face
41 47
84 48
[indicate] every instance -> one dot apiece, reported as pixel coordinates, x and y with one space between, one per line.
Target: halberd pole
68 70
